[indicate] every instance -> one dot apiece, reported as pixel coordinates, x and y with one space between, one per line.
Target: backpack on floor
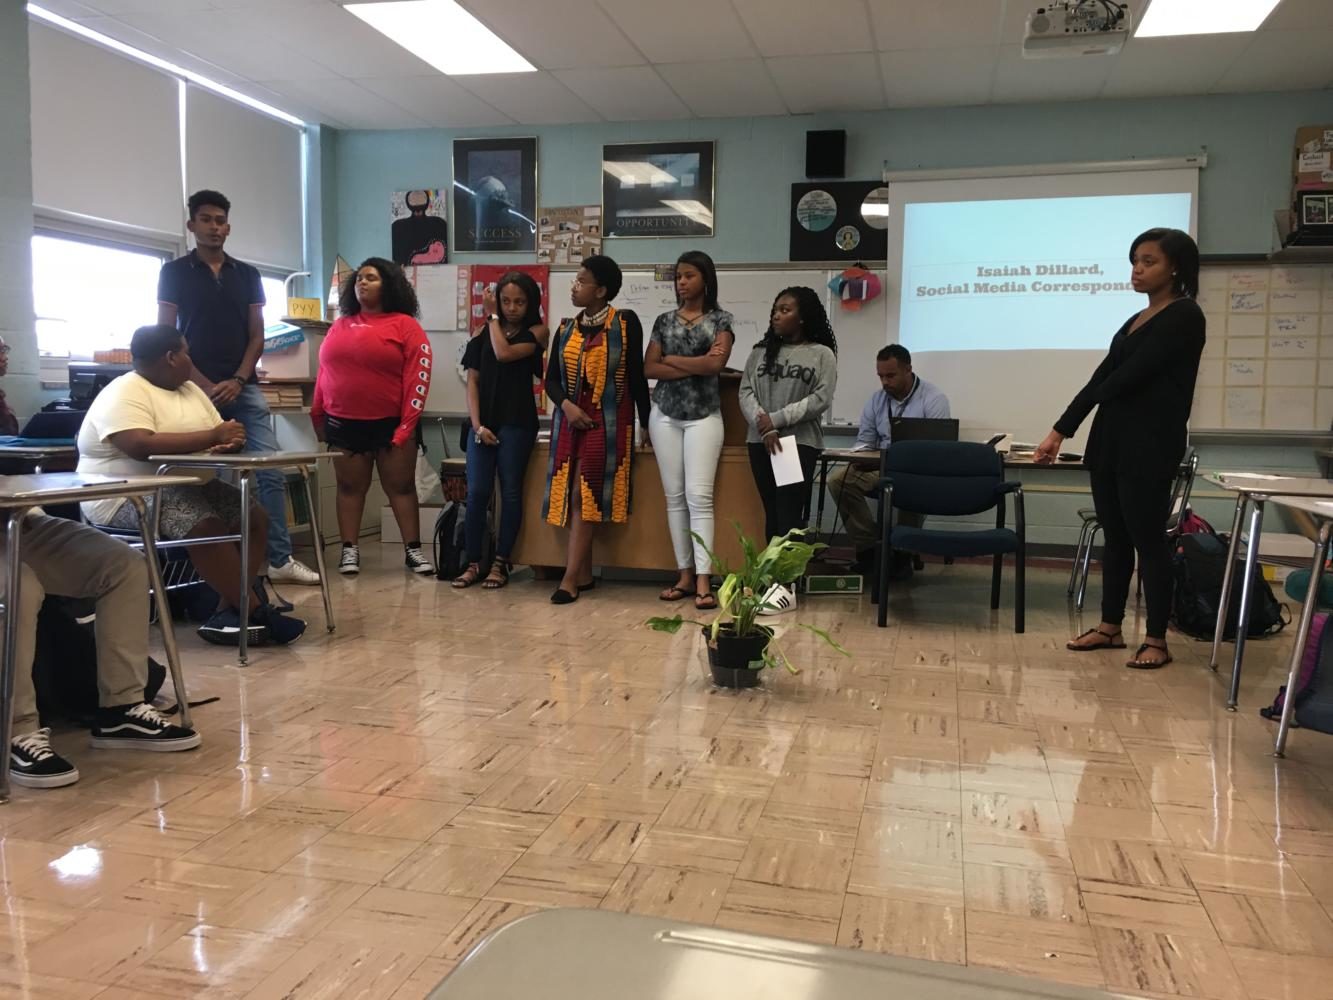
450 543
1198 564
1314 682
64 669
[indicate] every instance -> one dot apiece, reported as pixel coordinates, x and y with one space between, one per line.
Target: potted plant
739 646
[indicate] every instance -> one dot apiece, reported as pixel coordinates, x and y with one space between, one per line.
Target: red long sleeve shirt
372 367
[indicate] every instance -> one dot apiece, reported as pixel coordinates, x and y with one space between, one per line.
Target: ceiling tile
117 7
938 24
632 93
229 38
437 100
1292 14
326 34
559 34
807 28
344 101
1073 78
529 98
682 30
739 89
810 84
1156 67
1281 60
939 77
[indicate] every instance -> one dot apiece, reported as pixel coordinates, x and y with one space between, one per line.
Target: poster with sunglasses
657 189
495 195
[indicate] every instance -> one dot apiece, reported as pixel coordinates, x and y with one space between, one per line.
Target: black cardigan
1143 391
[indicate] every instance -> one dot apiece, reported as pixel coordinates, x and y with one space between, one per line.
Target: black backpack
449 544
64 669
1198 564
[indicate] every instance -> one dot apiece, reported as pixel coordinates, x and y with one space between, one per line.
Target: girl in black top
501 361
1143 391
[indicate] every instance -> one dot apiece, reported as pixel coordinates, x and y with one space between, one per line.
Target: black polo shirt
212 312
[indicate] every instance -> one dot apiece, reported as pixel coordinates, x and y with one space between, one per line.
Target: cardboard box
389 527
1312 164
290 352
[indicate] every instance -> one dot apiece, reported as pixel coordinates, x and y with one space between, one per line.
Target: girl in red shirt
374 376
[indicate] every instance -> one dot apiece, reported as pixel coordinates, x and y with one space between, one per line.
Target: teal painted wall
1248 138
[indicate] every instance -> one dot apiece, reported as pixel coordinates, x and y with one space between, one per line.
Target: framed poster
495 195
419 231
658 189
568 234
839 220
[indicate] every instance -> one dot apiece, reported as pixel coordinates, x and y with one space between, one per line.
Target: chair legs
1087 561
997 565
1020 588
1078 556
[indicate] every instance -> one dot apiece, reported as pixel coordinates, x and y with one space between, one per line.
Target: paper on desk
787 462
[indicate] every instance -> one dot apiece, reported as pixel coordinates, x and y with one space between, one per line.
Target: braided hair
814 320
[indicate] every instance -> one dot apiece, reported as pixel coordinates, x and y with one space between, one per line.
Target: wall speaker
826 153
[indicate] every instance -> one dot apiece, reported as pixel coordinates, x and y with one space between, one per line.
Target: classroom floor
367 806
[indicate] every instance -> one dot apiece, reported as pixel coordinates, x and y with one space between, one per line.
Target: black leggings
784 506
1133 513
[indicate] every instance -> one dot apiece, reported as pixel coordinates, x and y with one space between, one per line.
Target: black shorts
362 437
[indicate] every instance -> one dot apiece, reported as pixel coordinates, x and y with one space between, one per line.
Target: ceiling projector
1076 28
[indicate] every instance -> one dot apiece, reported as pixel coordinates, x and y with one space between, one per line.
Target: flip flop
1111 644
705 602
672 594
1138 664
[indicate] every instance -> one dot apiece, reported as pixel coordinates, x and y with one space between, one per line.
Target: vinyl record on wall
839 220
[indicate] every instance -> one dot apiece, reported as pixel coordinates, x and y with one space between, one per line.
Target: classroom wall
1248 138
16 320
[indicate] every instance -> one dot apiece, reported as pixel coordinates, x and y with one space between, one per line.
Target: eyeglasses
585 284
4 350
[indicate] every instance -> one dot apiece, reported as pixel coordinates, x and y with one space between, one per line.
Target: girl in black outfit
1143 391
501 362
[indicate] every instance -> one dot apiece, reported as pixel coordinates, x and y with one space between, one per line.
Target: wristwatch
493 318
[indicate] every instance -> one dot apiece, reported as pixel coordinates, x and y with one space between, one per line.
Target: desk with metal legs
245 465
1252 490
18 495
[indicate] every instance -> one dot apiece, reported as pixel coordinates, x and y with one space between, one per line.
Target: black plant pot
730 658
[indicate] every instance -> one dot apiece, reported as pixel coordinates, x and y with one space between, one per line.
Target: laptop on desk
923 429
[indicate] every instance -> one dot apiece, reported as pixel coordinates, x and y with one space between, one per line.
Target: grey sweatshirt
794 391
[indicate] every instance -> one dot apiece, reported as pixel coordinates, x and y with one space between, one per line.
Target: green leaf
668 625
823 635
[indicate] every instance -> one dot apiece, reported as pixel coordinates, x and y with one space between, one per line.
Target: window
91 296
275 299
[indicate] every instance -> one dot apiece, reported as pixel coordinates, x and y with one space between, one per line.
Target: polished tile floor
367 806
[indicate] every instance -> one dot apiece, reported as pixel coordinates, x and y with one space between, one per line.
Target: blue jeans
251 411
510 459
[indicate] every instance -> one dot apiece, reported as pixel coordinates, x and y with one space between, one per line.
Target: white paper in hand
787 462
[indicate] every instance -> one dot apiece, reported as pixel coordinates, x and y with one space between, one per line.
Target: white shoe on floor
778 600
294 571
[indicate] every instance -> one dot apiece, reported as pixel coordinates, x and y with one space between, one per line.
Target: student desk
38 455
1323 544
18 495
595 955
245 465
1252 490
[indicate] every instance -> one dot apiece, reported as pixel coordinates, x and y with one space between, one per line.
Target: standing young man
217 303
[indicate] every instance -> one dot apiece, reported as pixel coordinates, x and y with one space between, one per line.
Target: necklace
596 319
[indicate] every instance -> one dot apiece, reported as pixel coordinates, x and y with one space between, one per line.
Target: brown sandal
468 577
498 576
672 593
1138 663
1110 642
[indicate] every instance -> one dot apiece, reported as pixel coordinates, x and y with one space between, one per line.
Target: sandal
498 576
705 602
1138 663
468 577
672 593
1110 642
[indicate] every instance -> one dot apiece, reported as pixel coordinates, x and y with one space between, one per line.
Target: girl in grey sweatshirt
788 384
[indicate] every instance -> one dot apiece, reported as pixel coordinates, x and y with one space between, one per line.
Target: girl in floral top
688 348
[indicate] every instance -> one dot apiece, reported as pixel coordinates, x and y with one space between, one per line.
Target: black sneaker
415 560
140 727
224 629
279 628
33 764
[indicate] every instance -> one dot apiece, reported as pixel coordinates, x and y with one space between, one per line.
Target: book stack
282 396
119 356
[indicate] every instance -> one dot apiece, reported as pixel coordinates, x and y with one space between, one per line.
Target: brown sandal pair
1138 663
497 578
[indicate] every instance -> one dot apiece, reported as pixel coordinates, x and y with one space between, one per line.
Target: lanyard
916 384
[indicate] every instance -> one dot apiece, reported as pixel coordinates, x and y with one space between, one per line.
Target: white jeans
687 453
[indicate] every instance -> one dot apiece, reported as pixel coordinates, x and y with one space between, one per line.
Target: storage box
290 352
1312 165
834 583
389 526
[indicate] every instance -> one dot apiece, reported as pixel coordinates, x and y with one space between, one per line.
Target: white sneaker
778 600
349 564
294 571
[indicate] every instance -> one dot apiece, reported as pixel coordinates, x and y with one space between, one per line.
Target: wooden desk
643 542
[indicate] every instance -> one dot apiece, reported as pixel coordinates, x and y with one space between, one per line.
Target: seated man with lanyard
902 394
157 410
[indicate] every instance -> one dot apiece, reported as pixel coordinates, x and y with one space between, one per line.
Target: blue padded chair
950 478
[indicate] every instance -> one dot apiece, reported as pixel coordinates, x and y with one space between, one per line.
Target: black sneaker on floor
33 764
140 727
224 629
279 628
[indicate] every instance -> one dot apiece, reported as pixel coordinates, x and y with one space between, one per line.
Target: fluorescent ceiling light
1190 17
75 28
444 35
